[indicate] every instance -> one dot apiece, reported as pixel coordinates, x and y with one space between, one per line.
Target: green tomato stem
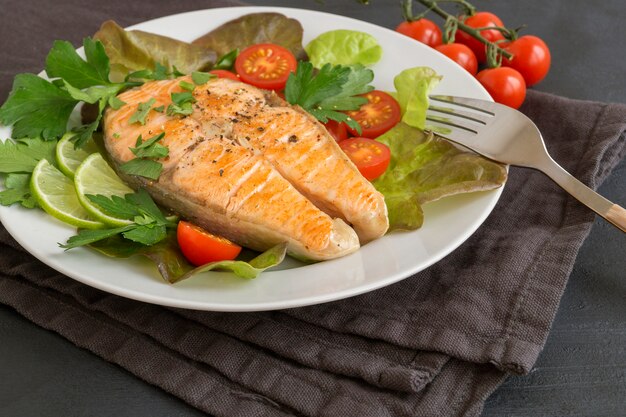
475 33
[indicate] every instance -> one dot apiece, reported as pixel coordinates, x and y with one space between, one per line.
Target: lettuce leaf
412 88
344 47
135 50
424 168
173 266
252 29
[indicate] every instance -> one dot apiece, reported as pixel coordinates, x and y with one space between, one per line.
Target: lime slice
56 194
69 158
95 176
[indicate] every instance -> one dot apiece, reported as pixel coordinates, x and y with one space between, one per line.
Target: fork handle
611 212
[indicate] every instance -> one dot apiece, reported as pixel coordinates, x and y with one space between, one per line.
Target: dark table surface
581 372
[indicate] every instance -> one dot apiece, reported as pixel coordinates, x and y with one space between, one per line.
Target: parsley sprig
330 91
39 108
17 161
149 225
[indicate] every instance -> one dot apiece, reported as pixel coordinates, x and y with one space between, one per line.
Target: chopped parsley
145 152
142 112
150 148
227 61
181 104
186 86
200 78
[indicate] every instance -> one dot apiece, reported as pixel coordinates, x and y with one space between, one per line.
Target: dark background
581 372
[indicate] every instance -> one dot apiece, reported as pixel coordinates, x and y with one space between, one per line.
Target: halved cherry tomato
480 20
423 30
339 131
531 58
201 247
505 85
461 54
265 65
378 115
370 156
225 74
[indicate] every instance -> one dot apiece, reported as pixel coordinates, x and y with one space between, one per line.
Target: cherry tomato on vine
337 130
461 54
201 247
225 74
504 84
378 115
480 20
370 156
423 30
265 65
531 58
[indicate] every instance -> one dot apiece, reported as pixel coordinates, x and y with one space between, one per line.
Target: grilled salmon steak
248 166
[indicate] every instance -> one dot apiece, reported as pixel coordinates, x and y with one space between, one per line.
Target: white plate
448 222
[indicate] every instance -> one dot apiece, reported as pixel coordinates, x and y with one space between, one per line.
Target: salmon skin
250 167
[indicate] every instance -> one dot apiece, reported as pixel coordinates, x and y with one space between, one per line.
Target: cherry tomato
480 20
225 74
531 58
370 156
461 54
265 65
339 131
423 30
378 115
201 247
505 85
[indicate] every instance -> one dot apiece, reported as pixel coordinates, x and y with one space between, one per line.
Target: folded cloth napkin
437 343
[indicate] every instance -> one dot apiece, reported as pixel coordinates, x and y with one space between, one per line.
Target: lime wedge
95 176
69 158
56 194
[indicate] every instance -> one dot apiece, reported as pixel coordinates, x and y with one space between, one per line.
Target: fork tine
454 132
480 118
483 106
447 122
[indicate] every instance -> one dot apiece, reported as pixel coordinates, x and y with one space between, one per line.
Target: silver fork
506 135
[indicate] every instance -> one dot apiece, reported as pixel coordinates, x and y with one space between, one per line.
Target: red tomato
531 58
423 30
265 65
461 54
378 115
505 85
370 156
480 20
201 247
225 74
339 131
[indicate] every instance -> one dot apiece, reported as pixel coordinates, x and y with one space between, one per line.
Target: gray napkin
437 343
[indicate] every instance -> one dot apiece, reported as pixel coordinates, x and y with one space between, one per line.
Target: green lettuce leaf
252 29
173 266
424 168
344 47
251 269
412 88
135 50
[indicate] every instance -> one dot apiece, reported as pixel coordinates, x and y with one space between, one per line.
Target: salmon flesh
248 166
